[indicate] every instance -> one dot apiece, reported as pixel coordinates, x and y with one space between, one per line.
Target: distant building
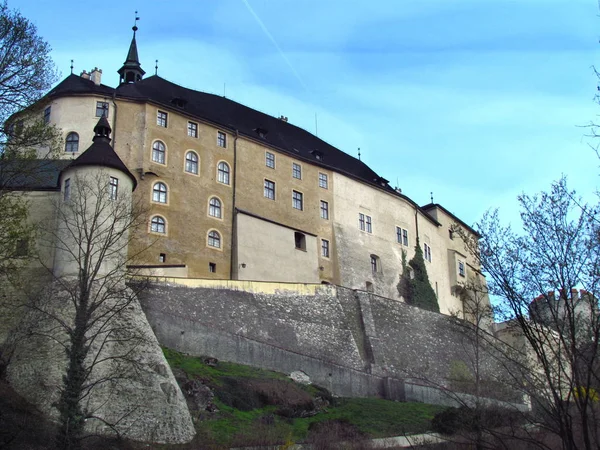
237 194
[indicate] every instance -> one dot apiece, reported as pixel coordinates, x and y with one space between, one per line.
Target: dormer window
317 154
262 132
179 102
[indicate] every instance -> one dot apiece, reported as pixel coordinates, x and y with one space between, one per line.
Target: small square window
297 171
221 139
212 267
270 160
324 248
299 240
323 182
192 129
47 112
324 210
461 268
162 257
161 119
101 109
269 189
297 201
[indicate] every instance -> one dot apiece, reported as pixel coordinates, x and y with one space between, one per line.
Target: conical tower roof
132 70
101 153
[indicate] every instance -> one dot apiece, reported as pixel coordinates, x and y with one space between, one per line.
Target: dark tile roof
101 154
235 116
75 84
31 174
431 206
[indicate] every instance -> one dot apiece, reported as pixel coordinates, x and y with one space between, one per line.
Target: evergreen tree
415 287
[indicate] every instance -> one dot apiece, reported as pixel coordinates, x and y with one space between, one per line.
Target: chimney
96 76
284 118
85 75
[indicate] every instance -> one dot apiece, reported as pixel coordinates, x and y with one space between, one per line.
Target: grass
372 417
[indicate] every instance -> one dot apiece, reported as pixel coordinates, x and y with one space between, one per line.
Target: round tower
93 211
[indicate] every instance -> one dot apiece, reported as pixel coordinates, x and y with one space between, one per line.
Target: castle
237 194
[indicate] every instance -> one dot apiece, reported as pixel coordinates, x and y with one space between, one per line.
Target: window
212 267
113 188
461 268
158 225
270 160
299 240
361 221
323 182
158 152
324 248
451 234
375 264
193 129
369 226
221 139
101 109
297 200
297 171
402 236
159 193
47 114
324 210
223 173
214 239
67 191
214 208
270 189
72 143
161 119
191 163
22 248
427 252
162 257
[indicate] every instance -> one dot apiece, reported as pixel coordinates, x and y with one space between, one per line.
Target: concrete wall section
266 251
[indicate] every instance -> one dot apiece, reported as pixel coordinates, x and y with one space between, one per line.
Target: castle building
234 193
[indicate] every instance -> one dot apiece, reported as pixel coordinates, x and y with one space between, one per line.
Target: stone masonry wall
351 342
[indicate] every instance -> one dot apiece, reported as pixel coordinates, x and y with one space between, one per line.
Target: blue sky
475 100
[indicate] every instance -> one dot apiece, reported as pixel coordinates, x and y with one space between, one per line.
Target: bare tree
88 309
553 357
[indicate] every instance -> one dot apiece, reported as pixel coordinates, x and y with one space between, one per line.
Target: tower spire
132 70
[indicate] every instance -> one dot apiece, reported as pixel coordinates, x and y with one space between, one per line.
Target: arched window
214 239
72 143
223 173
158 152
159 193
214 208
158 225
191 163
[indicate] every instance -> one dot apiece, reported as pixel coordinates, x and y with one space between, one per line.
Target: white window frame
296 171
324 210
221 139
162 118
192 129
323 180
298 200
191 164
113 188
461 269
269 189
270 160
158 223
223 172
160 195
159 152
215 208
426 252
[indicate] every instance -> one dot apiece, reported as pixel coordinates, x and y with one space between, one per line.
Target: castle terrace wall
351 342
